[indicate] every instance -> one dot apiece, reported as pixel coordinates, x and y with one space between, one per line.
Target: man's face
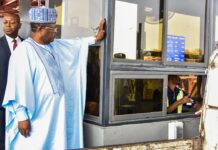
11 25
48 33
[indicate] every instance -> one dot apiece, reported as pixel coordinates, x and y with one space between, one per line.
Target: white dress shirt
11 43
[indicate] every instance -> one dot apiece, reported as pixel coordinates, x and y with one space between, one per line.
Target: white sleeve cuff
21 114
90 40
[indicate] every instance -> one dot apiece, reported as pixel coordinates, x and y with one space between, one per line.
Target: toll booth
147 41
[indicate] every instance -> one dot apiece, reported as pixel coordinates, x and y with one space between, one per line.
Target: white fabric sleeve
21 113
90 40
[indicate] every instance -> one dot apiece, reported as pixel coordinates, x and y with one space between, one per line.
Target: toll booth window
184 93
93 81
185 39
138 36
138 96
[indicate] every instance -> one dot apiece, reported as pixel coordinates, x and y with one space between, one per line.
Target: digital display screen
175 48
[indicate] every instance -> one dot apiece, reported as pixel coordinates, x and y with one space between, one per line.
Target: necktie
15 44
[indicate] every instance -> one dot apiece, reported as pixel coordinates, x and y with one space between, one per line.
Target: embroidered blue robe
56 119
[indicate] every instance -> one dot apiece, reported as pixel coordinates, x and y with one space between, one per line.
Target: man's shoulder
3 42
2 38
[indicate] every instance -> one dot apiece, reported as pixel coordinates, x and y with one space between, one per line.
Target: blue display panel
175 48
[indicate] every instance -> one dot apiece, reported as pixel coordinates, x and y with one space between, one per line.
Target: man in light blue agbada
45 93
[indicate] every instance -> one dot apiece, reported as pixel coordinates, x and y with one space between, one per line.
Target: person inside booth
176 96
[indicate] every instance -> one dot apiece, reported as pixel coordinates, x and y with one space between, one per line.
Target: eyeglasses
51 29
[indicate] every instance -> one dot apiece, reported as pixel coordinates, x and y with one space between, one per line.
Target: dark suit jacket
5 54
4 59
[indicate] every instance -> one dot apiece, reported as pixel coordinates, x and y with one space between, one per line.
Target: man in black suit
11 26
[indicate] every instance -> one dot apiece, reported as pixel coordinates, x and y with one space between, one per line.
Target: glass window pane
125 30
137 96
138 36
152 31
184 93
186 28
77 18
93 81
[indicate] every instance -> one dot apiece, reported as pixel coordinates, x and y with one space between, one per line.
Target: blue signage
175 48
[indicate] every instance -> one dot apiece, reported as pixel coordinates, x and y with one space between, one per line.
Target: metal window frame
212 29
144 117
115 63
104 71
184 64
120 62
135 75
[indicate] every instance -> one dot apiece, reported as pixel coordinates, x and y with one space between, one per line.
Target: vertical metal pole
39 3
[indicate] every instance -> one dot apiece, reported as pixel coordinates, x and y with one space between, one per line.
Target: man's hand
186 99
24 128
101 32
199 112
